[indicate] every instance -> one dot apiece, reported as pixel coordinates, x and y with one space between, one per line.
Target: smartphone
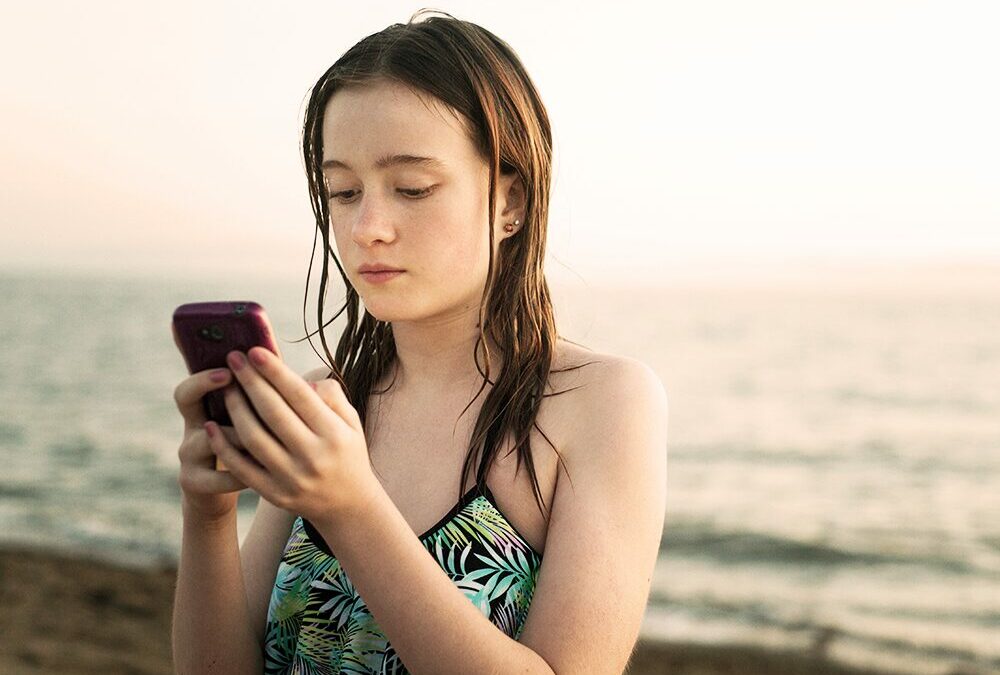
205 332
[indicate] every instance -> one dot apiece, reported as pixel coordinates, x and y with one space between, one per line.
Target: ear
510 203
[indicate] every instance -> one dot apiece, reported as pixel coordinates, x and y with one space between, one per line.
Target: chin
389 309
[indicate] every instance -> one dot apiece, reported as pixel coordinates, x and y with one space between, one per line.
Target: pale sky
164 137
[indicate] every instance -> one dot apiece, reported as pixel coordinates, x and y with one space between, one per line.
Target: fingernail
210 429
258 356
236 360
219 375
313 385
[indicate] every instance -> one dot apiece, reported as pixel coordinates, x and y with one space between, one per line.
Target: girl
428 154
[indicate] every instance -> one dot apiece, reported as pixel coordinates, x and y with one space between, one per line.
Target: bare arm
212 631
222 592
606 526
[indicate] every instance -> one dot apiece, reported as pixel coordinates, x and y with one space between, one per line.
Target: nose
372 221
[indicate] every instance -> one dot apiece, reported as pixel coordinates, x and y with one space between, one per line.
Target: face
427 218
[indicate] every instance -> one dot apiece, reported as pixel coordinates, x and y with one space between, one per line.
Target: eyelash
418 193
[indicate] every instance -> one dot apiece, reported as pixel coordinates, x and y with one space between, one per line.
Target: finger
277 413
233 439
232 436
188 394
196 451
200 461
244 467
313 412
332 394
212 481
256 438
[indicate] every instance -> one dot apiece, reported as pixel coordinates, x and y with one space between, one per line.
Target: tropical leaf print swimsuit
317 622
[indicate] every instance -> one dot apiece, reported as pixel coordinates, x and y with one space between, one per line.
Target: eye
341 196
348 196
416 193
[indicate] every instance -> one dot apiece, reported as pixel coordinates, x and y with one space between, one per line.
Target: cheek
344 247
460 244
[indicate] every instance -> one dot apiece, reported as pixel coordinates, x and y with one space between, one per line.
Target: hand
211 493
311 458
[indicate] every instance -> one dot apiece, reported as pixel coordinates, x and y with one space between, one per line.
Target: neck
437 359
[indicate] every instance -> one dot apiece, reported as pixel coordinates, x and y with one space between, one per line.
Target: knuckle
184 481
315 463
307 467
184 451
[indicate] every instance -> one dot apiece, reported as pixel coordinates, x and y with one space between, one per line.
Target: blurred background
789 210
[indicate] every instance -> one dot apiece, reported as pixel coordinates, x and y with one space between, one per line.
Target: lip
381 276
378 268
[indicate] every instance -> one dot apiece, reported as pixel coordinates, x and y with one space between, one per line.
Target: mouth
381 275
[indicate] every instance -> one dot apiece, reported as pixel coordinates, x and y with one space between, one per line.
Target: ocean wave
739 547
822 640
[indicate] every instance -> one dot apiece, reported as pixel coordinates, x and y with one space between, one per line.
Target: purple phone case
205 332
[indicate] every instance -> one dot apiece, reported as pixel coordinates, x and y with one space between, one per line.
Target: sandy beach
77 615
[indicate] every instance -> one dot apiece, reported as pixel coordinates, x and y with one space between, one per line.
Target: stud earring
509 227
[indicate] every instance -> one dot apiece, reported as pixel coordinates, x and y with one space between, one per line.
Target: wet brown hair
479 76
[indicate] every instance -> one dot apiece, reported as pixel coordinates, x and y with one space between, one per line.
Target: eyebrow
386 161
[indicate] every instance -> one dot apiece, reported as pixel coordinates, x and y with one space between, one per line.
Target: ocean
833 464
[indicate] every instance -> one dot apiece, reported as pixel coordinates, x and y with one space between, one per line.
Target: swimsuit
317 622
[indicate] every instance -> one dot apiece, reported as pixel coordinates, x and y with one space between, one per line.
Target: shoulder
629 385
613 421
611 394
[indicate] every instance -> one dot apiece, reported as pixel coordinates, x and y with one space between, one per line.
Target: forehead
363 122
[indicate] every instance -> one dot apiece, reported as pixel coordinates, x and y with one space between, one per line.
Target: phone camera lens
239 310
216 333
